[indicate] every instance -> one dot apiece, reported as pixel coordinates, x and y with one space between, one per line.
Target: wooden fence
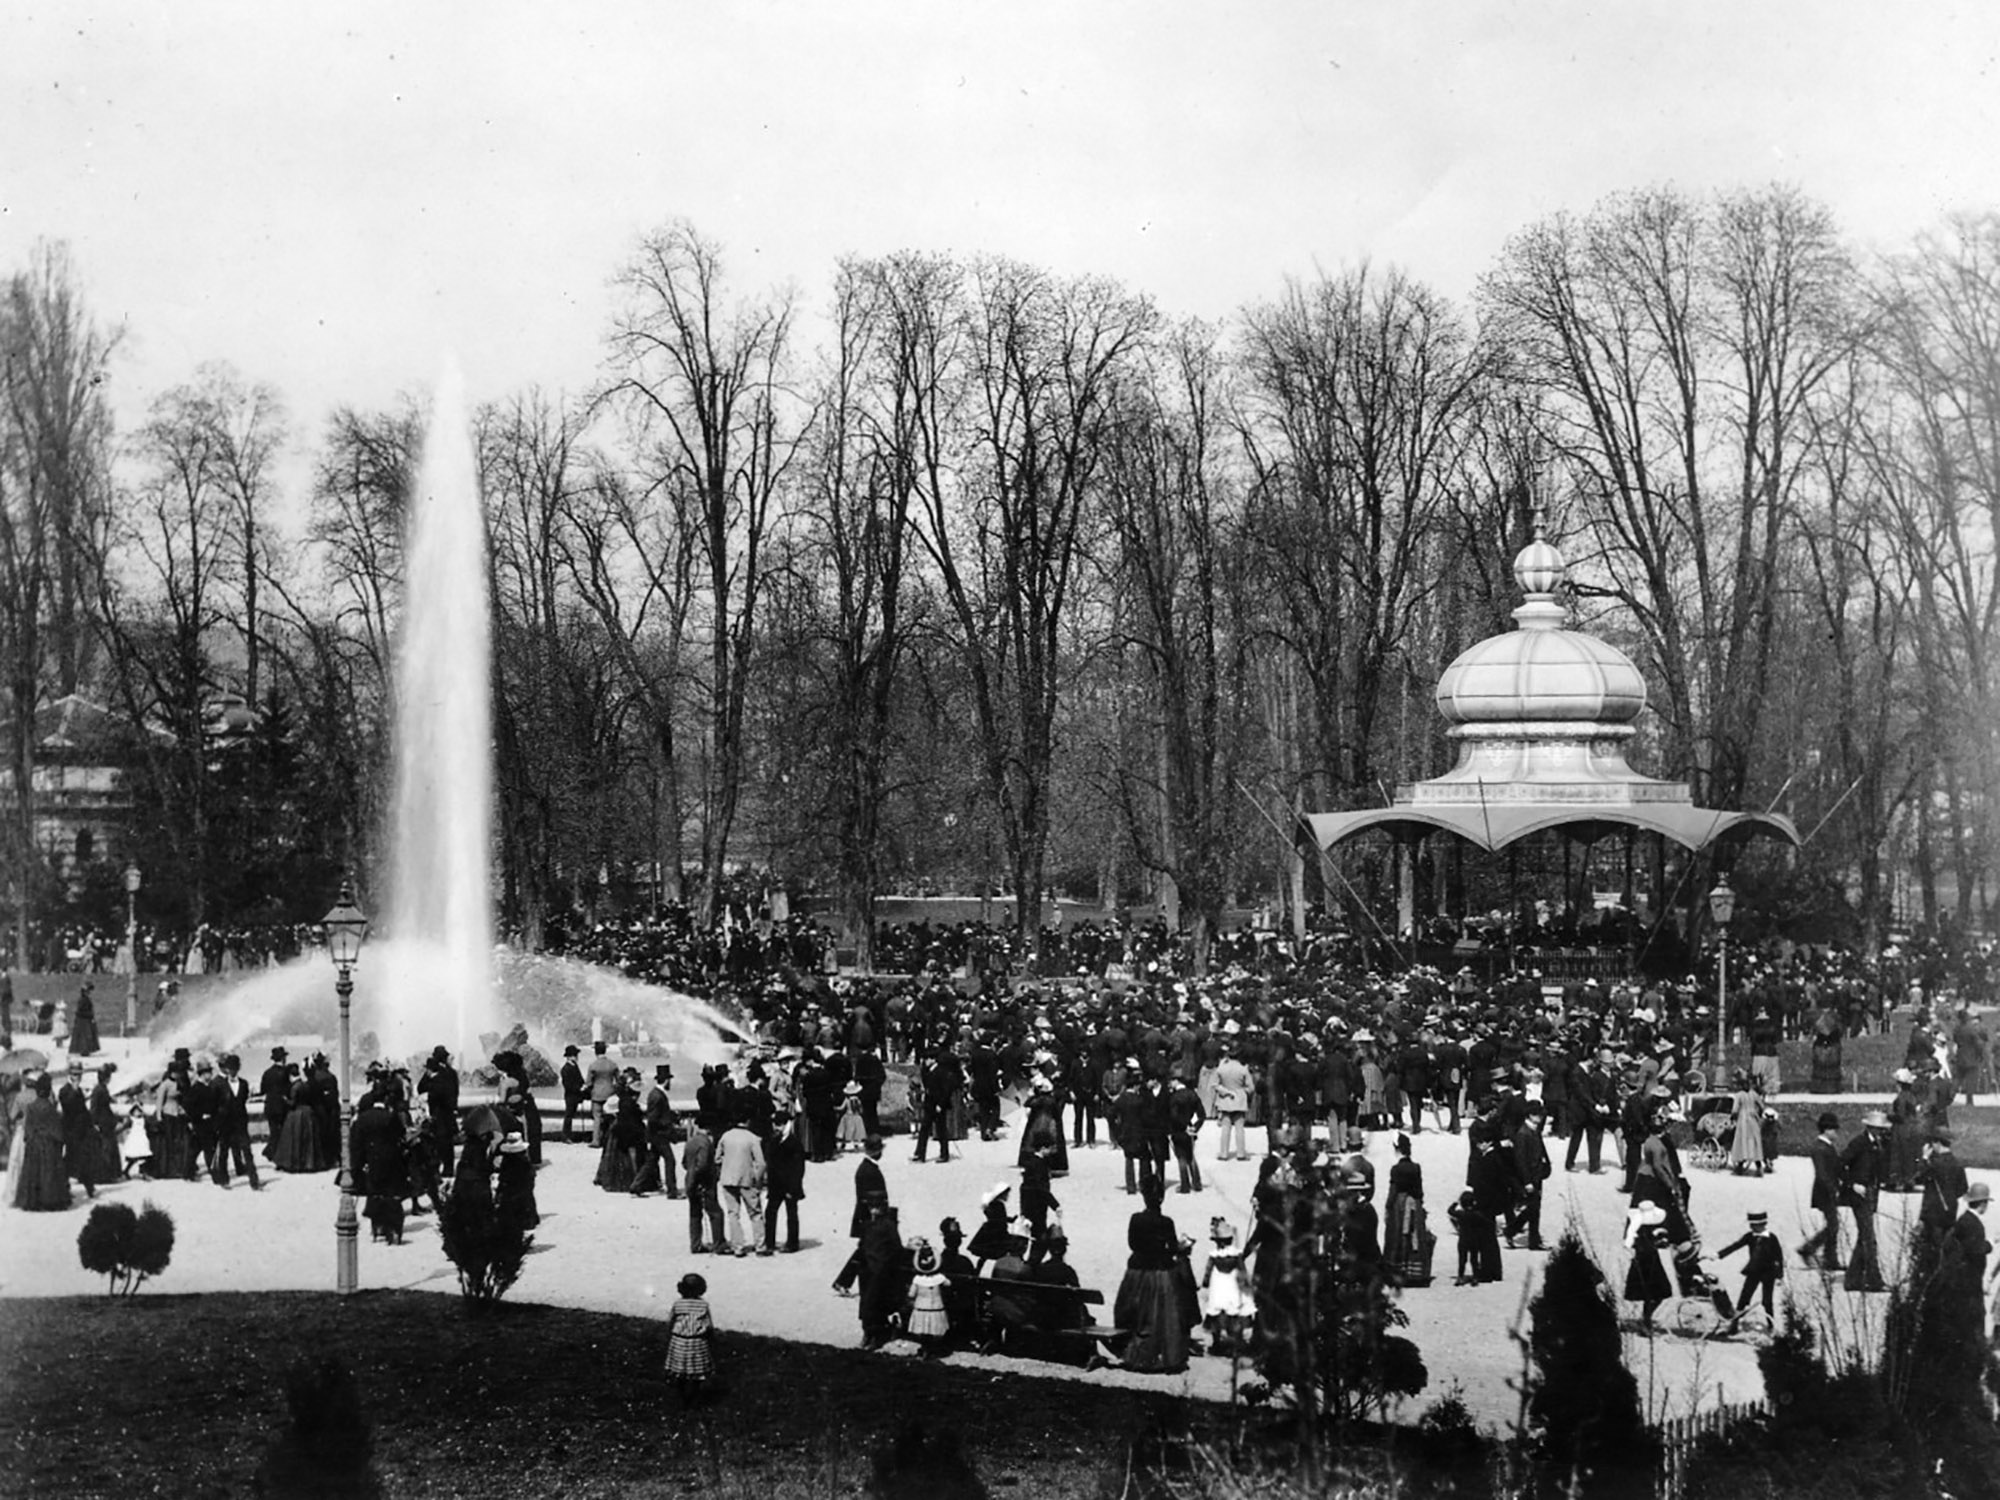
1679 1437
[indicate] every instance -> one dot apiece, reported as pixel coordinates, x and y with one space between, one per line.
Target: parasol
489 1119
23 1060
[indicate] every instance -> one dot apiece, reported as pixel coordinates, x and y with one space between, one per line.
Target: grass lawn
1975 1131
185 1396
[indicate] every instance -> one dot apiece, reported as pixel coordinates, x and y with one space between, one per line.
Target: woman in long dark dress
1156 1301
83 1038
1826 1040
173 1137
106 1129
514 1189
302 1144
1406 1238
624 1153
43 1183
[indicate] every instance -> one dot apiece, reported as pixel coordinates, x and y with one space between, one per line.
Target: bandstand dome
1541 716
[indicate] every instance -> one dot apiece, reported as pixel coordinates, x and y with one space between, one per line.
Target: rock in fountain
428 976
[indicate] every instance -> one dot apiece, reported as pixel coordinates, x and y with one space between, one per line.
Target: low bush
126 1247
486 1248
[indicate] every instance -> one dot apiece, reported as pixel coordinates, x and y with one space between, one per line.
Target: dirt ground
613 1253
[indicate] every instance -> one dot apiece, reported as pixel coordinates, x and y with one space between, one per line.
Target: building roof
1542 715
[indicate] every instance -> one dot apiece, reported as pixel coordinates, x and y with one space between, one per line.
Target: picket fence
1679 1436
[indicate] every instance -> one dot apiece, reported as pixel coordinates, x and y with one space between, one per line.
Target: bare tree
1361 396
55 436
1180 567
1044 359
1678 345
704 383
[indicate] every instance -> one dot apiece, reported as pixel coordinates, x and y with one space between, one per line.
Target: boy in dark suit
1763 1264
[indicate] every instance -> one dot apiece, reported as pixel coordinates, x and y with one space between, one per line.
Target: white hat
1651 1213
1904 1075
998 1191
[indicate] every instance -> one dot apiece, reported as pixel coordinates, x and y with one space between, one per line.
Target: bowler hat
1979 1192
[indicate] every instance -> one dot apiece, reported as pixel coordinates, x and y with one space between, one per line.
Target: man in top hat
574 1093
200 1099
1763 1264
439 1086
1941 1178
78 1138
871 1190
1863 1165
659 1165
1764 1034
232 1125
275 1089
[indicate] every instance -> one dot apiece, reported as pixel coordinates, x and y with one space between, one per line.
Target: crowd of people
1308 1059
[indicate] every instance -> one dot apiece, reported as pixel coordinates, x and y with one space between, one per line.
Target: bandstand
1542 716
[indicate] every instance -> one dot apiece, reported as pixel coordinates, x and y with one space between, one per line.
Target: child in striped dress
930 1324
690 1334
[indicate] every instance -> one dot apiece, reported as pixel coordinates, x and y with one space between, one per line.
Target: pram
1712 1128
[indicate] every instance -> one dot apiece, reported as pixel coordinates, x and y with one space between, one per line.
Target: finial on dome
1538 568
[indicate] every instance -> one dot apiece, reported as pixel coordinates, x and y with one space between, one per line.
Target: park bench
986 1331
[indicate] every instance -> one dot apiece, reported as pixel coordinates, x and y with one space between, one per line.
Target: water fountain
432 975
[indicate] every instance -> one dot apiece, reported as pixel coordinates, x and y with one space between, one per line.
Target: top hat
180 1054
662 1071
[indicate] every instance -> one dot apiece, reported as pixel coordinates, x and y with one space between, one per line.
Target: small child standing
930 1324
1227 1289
1763 1265
690 1338
852 1130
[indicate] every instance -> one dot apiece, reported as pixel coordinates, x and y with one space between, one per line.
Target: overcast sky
334 197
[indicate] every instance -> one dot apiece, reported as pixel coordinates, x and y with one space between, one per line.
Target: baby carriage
1712 1130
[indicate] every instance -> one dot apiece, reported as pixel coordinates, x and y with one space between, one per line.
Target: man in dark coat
871 1075
941 1082
574 1092
660 1127
1590 1101
232 1125
884 1271
1531 1167
1825 1196
275 1088
784 1186
982 1067
199 1101
77 1136
439 1086
1863 1166
871 1190
1185 1117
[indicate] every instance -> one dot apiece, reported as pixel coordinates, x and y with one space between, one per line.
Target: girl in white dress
1225 1287
929 1323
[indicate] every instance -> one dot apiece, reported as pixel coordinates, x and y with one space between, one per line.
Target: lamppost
132 947
345 927
1721 907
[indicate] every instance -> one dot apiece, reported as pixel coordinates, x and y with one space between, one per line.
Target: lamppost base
346 1246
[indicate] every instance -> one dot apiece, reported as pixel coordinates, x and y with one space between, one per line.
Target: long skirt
1407 1242
1157 1308
43 1183
617 1168
173 1147
302 1146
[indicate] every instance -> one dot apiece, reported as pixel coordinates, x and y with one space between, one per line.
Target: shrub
327 1450
1583 1404
126 1247
486 1248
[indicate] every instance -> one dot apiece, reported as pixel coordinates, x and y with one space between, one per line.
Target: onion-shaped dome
1541 672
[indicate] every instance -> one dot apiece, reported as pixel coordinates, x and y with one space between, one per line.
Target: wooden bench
987 1331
